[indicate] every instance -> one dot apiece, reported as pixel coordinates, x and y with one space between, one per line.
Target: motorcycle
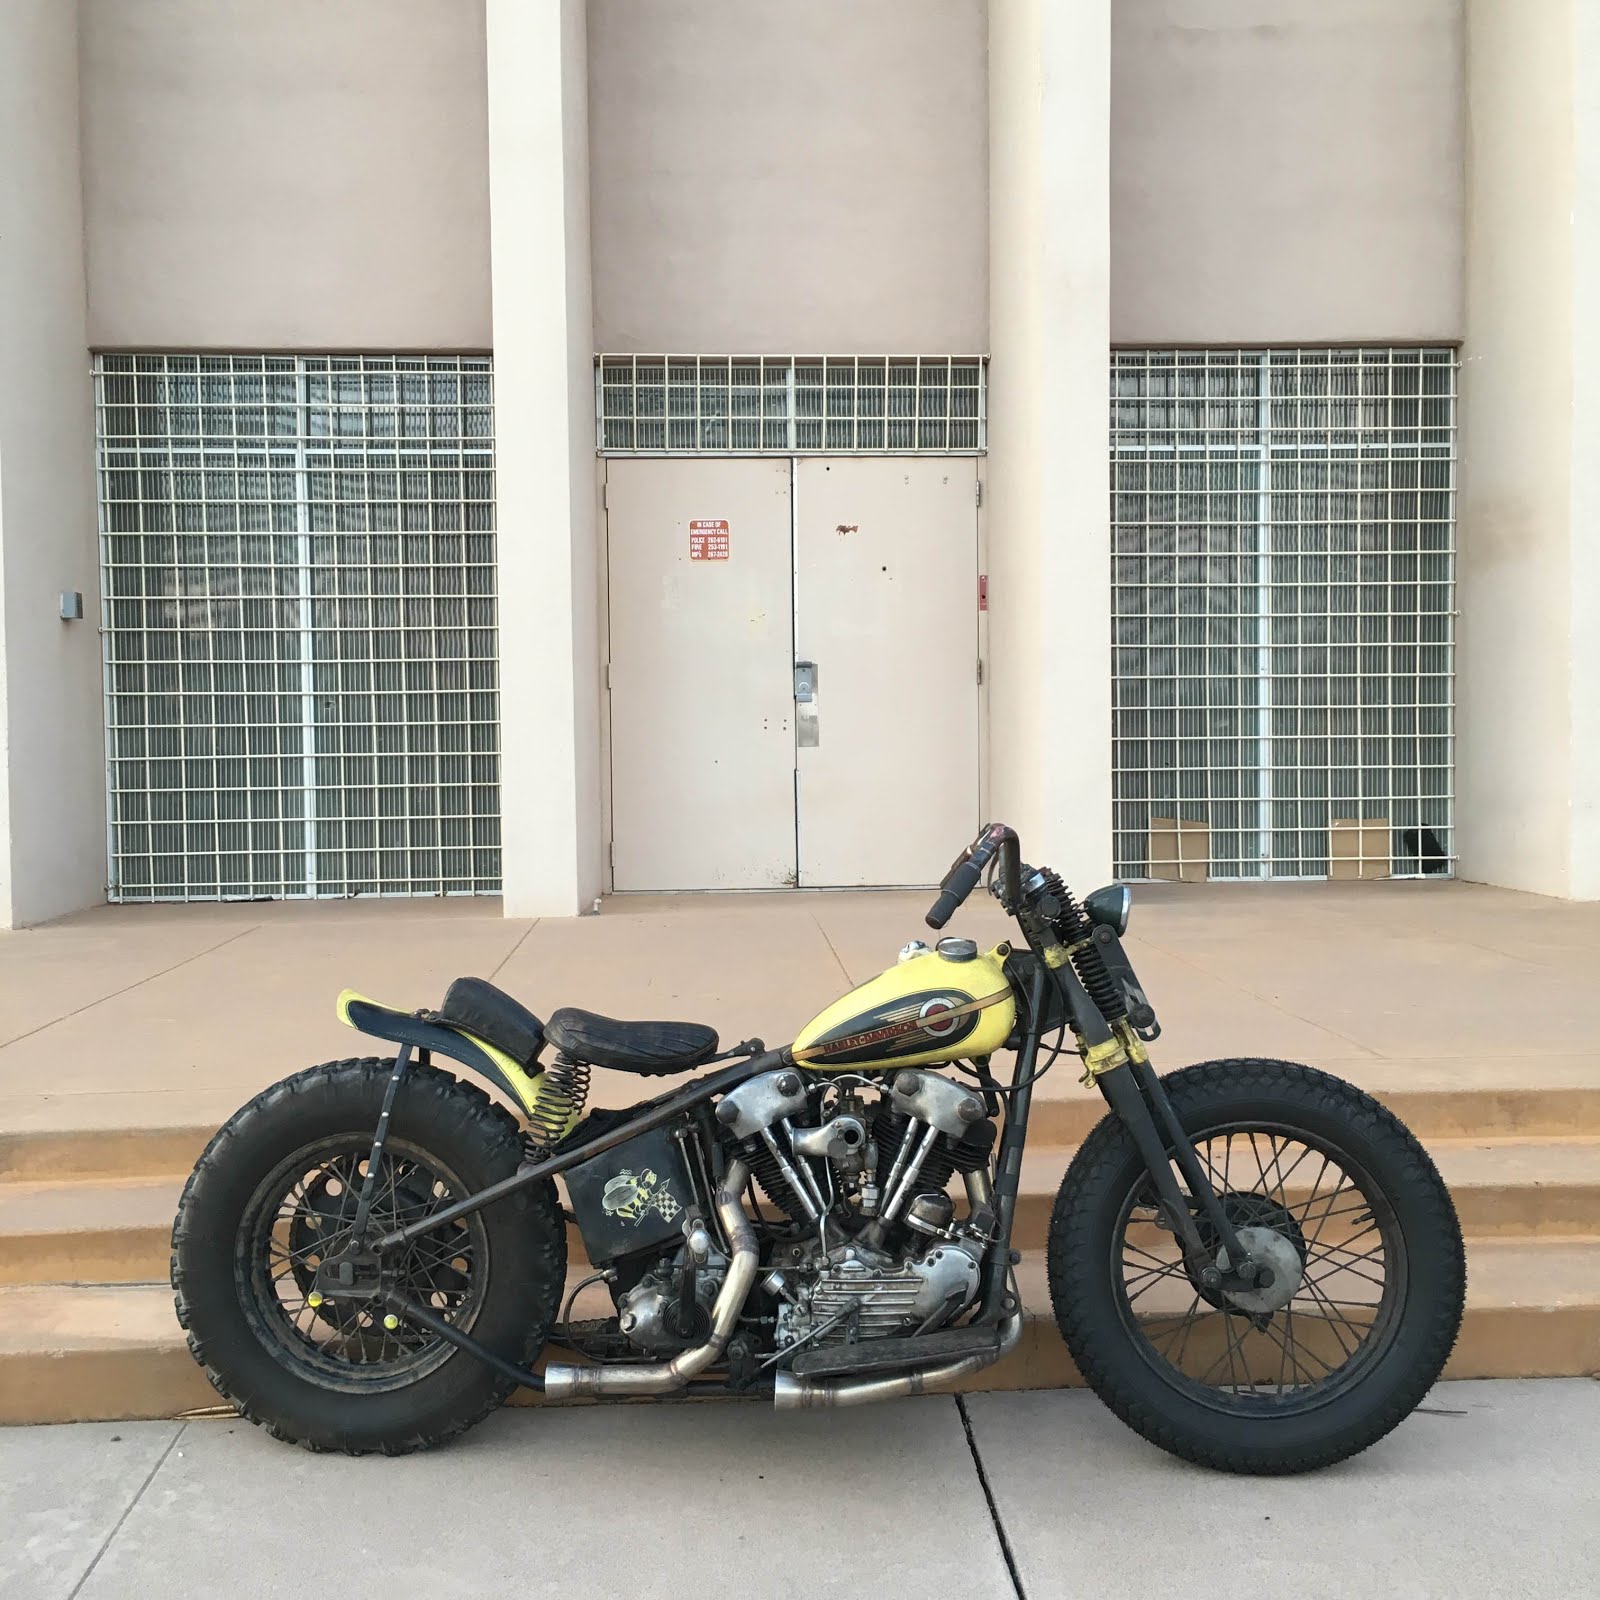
1254 1264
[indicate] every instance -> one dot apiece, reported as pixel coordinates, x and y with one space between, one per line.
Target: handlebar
966 873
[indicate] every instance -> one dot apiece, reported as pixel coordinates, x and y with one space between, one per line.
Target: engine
876 1248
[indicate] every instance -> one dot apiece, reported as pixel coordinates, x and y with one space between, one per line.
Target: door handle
807 735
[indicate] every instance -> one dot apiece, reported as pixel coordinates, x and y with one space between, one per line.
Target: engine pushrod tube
651 1118
908 1142
801 1191
913 1170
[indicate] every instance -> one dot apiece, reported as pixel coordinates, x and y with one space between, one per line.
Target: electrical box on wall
71 605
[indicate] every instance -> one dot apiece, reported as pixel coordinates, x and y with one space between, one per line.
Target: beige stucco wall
52 771
286 174
772 177
1583 593
1046 475
1286 170
551 817
1529 673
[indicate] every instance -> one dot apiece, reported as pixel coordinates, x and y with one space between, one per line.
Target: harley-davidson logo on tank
906 1015
894 1030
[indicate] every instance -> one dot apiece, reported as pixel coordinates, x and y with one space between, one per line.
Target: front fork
1119 1063
1138 1096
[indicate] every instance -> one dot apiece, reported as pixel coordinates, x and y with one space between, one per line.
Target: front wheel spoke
1306 1151
1134 1249
1330 1202
1294 1349
1184 1324
1153 1279
1356 1256
1336 1320
1341 1270
1275 1165
1227 1350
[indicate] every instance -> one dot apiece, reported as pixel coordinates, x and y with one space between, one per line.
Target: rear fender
477 1055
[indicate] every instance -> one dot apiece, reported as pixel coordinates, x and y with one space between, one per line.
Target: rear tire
263 1361
1237 1428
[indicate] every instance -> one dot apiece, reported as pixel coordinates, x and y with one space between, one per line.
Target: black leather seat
644 1047
475 1006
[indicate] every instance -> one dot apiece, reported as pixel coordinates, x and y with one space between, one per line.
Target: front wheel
1368 1273
276 1190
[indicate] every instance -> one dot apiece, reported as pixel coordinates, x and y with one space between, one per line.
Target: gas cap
953 949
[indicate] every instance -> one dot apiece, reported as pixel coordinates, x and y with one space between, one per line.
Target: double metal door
792 678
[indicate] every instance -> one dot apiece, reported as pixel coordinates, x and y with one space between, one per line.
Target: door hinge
608 675
611 856
980 669
977 484
605 494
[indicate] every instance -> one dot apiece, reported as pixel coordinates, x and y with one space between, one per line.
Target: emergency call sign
708 540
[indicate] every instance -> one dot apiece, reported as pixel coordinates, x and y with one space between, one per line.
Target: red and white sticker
708 541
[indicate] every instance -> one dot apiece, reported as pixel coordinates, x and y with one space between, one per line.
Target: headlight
1110 906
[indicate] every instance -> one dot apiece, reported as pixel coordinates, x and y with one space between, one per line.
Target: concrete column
544 440
1528 677
52 763
1047 481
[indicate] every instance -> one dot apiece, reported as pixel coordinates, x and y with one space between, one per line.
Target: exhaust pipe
563 1382
794 1394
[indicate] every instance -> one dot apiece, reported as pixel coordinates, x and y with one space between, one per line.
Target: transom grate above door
786 405
298 613
1283 541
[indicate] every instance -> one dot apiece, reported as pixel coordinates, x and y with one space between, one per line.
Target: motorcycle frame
1131 1089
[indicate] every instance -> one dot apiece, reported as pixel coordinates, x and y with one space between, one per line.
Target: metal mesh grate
1282 527
298 612
708 405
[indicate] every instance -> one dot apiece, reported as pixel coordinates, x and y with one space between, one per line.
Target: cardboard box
1180 850
1360 847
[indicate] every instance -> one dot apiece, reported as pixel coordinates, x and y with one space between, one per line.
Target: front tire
276 1186
1233 1387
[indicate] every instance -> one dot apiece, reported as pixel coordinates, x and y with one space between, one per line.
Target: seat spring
563 1089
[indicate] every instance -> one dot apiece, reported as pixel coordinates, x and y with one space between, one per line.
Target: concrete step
87 1232
1509 1188
1555 1097
63 1152
118 1231
78 1353
131 1136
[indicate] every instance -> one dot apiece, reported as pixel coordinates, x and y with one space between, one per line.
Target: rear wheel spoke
312 1220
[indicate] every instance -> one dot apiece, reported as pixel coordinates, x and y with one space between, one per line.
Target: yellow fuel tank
924 1009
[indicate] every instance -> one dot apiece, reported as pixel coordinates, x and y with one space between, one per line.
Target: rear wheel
1336 1197
276 1191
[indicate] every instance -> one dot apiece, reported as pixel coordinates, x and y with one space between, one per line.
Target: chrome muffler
564 1382
795 1394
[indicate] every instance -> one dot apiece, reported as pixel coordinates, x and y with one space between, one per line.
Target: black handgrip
962 880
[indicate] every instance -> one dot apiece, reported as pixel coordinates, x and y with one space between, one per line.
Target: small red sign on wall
708 541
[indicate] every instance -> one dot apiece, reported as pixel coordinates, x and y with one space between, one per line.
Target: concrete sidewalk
1489 1491
128 1034
134 1017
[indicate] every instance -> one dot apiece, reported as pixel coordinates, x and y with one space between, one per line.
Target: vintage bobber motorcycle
1253 1263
